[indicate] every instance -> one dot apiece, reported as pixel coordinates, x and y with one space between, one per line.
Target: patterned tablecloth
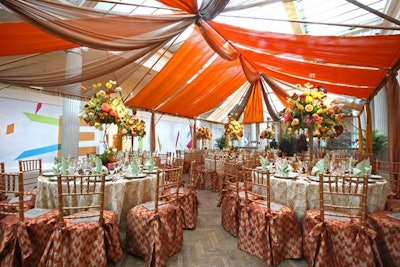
120 195
303 194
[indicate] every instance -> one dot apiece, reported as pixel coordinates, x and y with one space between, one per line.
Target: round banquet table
302 194
120 195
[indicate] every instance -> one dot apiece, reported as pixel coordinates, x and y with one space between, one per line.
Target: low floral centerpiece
203 133
267 133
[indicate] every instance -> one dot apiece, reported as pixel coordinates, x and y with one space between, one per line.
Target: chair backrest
12 195
258 189
179 153
231 173
31 170
167 186
178 162
390 170
192 175
78 193
343 196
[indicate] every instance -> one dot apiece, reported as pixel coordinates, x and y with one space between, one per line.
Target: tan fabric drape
393 100
368 128
152 132
194 139
360 135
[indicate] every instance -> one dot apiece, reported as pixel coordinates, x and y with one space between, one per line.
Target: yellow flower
309 99
309 108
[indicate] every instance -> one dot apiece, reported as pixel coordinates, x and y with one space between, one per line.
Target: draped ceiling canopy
218 63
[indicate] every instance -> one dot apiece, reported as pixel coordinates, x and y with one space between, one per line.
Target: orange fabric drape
20 38
254 111
250 72
280 93
217 42
210 88
168 81
383 50
356 82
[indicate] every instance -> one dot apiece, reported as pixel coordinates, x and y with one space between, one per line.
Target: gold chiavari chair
24 232
231 197
267 229
154 229
337 234
391 171
31 169
87 234
387 222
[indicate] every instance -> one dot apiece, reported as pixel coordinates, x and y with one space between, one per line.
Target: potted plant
221 142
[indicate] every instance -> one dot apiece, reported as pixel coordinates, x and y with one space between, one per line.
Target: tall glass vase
311 146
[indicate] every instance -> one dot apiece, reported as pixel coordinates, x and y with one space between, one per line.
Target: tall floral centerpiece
314 111
233 130
104 109
203 133
267 133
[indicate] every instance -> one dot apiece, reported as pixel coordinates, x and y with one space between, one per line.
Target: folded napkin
56 166
318 167
64 170
265 163
150 163
285 169
99 168
362 168
134 166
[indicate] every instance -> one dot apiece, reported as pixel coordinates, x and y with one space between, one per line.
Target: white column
380 112
71 107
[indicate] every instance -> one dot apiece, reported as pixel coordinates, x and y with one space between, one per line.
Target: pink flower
105 107
288 117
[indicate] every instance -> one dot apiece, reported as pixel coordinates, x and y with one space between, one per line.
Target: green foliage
379 142
106 157
221 142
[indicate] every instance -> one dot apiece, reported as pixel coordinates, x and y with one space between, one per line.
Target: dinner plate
49 174
136 176
107 178
290 175
316 179
152 172
374 176
53 178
